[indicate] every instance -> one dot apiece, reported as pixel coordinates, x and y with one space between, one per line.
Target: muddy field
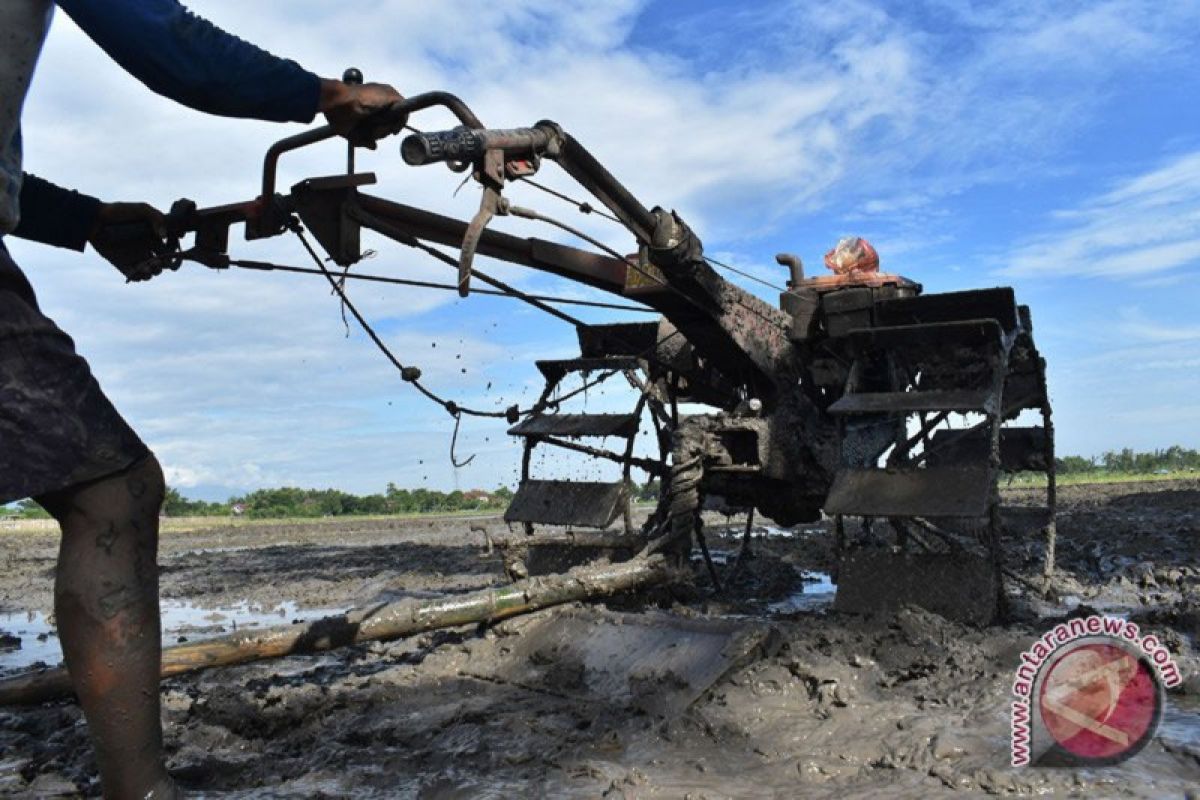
816 703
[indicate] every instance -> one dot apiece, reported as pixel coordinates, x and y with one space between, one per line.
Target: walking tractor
858 398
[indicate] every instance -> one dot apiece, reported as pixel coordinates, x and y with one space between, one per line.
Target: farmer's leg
106 601
63 442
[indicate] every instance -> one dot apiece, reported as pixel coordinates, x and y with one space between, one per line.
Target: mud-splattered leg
106 601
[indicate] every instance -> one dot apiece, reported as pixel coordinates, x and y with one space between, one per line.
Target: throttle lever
491 175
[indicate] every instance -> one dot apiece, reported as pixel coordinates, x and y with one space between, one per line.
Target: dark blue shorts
57 429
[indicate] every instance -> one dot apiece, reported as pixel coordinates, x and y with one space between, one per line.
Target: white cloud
1146 224
1138 326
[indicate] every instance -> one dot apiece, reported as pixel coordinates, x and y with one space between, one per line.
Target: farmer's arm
66 218
56 216
188 59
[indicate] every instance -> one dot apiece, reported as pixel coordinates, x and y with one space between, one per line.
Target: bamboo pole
600 539
382 622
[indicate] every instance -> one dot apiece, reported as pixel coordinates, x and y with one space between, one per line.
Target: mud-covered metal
591 504
857 395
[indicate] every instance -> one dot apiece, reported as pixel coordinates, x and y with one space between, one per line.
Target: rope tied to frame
454 442
412 374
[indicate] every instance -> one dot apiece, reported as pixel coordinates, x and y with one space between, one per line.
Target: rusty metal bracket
324 206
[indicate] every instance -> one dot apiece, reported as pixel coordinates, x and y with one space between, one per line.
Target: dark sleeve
56 216
190 60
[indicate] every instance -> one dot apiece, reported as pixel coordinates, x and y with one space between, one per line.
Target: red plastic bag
852 254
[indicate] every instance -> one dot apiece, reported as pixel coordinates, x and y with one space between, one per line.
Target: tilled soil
905 704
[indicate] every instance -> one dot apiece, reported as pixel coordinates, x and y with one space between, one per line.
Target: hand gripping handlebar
384 122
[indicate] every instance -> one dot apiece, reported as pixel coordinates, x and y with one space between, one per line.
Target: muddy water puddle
181 622
774 532
816 594
1180 726
226 549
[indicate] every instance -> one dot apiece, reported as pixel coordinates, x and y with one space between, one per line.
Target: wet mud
903 704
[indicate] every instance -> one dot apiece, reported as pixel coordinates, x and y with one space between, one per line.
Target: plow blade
620 339
959 491
971 333
574 425
912 402
656 662
555 370
1023 390
998 304
587 504
1021 449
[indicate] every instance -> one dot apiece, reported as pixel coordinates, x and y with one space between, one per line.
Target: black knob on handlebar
354 77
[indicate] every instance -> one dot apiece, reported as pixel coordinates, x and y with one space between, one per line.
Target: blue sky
1054 147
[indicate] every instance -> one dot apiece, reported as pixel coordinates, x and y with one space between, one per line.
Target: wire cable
413 374
744 274
587 208
529 213
582 206
405 238
267 266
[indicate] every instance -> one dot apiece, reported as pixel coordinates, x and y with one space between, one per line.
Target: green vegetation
1172 459
291 502
1026 479
176 505
25 509
1118 466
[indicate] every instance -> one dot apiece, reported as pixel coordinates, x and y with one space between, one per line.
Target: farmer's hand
132 237
350 108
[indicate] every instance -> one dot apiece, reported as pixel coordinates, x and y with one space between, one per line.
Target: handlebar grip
466 144
460 144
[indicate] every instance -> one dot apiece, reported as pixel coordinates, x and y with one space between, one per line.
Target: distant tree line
293 502
1172 459
290 501
25 509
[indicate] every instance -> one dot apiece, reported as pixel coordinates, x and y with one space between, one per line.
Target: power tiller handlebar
385 122
494 156
470 145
